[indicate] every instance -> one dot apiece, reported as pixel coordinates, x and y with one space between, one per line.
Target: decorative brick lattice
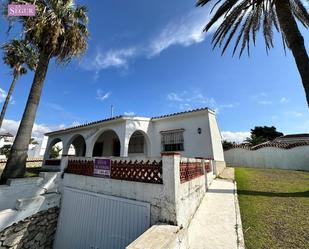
80 167
189 171
150 172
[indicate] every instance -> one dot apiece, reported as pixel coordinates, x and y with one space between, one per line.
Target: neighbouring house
192 133
285 152
6 139
293 138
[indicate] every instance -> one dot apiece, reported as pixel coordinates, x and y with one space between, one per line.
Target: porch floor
214 223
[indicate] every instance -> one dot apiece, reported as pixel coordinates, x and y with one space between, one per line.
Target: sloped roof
84 125
280 145
181 113
124 116
5 134
300 135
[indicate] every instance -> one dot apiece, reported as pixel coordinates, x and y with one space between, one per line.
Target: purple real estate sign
102 167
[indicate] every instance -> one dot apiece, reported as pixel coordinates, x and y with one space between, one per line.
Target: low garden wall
173 186
296 158
36 231
24 197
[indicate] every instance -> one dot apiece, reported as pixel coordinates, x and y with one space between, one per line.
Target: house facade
193 134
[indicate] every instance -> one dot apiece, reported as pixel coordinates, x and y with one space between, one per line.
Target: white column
124 146
171 181
89 147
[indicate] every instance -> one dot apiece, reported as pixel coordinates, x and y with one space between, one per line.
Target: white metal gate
95 221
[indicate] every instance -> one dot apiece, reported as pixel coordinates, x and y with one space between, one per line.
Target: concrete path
214 224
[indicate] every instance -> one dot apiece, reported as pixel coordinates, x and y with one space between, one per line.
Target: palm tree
249 16
59 30
18 55
255 140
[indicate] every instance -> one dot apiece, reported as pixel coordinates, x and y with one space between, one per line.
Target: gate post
171 182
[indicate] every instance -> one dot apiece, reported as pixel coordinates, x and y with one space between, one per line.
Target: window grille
172 140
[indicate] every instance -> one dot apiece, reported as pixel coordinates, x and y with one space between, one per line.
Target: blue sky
151 58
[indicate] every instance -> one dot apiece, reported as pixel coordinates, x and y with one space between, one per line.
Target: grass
30 172
274 206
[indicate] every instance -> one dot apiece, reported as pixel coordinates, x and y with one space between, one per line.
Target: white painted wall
207 144
269 157
170 202
216 139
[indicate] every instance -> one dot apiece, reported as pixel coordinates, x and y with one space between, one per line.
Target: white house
293 138
192 133
6 138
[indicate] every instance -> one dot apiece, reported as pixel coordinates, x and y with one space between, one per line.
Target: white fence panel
96 221
269 157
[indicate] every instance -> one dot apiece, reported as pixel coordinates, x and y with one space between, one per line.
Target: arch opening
107 144
138 144
55 149
77 147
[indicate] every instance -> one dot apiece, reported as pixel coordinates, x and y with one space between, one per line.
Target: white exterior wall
170 202
207 144
195 145
269 157
215 138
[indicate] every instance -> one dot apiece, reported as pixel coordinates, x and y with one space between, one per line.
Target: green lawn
30 172
274 206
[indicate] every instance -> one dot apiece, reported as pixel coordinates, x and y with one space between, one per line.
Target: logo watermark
21 10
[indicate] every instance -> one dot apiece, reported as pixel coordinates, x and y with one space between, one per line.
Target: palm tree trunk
16 164
295 41
8 97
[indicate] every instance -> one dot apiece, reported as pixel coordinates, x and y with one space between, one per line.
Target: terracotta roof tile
279 145
121 116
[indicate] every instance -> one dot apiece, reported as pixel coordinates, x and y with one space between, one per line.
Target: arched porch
107 144
139 144
76 146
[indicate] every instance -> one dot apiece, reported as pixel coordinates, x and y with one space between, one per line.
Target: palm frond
243 19
59 28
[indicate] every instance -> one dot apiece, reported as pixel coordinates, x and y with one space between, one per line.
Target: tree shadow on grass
273 194
260 193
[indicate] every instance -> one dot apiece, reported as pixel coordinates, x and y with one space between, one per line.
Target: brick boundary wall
36 231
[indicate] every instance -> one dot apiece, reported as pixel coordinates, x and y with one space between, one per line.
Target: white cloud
261 98
55 107
129 113
264 102
2 95
102 96
237 137
284 100
185 32
112 58
38 130
294 114
190 100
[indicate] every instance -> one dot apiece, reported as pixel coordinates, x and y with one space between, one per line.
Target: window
136 144
172 140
